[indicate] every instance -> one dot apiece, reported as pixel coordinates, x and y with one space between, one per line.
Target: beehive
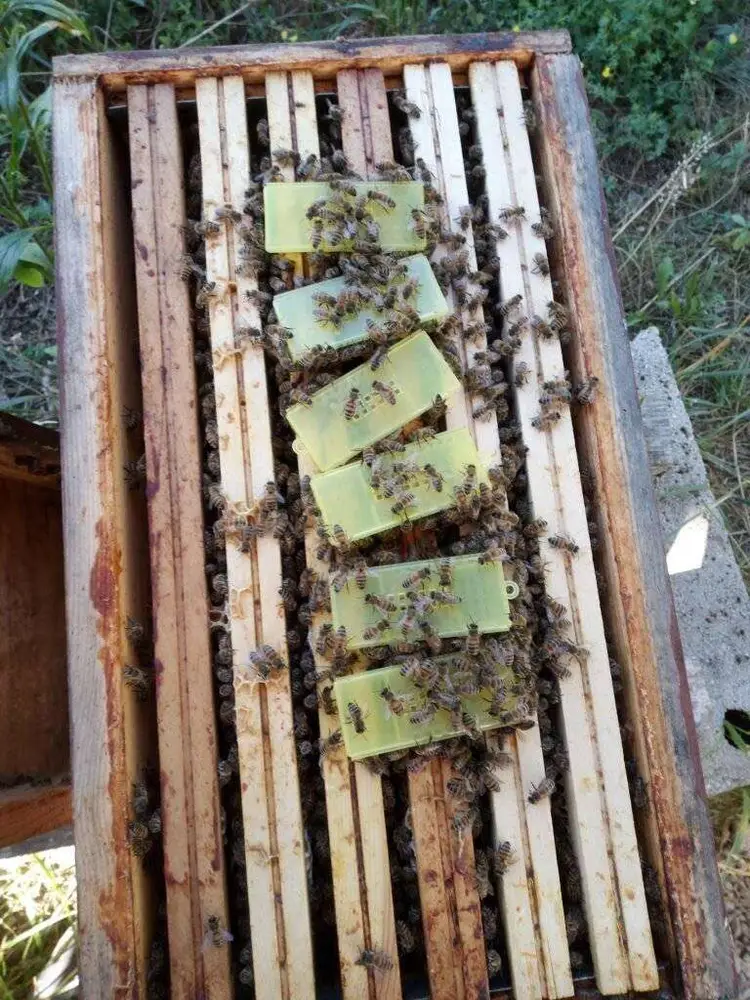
122 125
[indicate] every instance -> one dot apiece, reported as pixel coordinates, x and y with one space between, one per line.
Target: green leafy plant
26 171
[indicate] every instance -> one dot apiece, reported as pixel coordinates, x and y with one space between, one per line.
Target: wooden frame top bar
181 67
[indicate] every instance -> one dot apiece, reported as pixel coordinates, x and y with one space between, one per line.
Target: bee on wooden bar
327 700
510 304
564 542
543 229
216 936
538 792
585 391
528 117
540 265
462 820
286 157
545 421
325 745
372 958
511 212
535 528
395 704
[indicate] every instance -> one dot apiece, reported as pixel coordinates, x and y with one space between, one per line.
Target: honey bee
521 373
564 542
373 631
585 391
360 574
384 391
395 704
327 700
261 130
135 473
543 229
542 328
402 504
325 745
383 604
434 477
407 941
492 554
504 857
545 421
462 820
378 358
216 936
264 660
473 640
416 577
372 958
419 223
140 680
352 403
558 315
445 574
511 212
509 305
538 792
443 597
356 717
422 716
540 264
339 536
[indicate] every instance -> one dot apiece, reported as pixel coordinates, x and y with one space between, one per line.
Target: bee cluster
494 520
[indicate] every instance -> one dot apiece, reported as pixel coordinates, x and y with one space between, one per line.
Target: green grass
37 926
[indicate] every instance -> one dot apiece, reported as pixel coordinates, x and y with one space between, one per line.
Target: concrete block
712 603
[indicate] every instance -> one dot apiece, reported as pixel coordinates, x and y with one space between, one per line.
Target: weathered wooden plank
530 890
32 810
638 601
274 838
325 59
602 820
338 775
193 848
33 685
102 534
366 140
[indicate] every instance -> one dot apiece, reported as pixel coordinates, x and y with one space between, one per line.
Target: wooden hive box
34 756
138 138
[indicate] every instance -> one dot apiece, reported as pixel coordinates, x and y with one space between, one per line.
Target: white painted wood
274 837
530 891
601 815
